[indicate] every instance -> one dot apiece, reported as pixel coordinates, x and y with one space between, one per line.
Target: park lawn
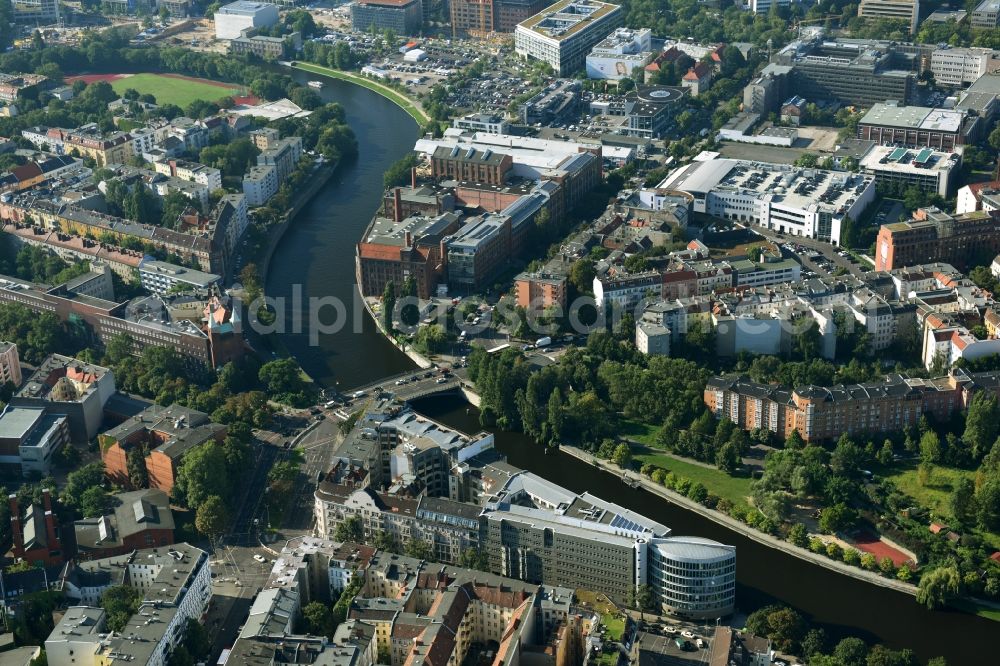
615 626
397 98
170 90
596 601
637 431
734 488
934 495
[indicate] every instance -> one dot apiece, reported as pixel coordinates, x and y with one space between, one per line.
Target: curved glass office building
693 577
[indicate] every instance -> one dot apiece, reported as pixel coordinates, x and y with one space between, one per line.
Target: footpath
636 479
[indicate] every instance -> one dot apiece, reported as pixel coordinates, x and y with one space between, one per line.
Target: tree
95 502
202 474
388 305
642 599
836 518
212 517
419 549
351 529
409 314
938 587
798 535
135 465
120 602
982 424
78 482
930 447
318 619
851 652
622 456
961 502
728 458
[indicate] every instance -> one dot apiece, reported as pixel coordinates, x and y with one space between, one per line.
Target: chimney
50 531
15 525
397 204
413 177
407 239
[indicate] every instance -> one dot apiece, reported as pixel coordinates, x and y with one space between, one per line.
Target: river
317 252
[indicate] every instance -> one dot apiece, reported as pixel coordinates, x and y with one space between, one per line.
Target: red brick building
935 236
140 519
35 533
162 435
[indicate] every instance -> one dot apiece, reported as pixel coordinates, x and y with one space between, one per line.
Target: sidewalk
737 526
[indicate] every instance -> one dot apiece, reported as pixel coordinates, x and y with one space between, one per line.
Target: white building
242 14
34 435
564 33
619 54
482 122
652 339
962 66
160 277
693 577
192 172
790 200
77 636
260 184
928 169
764 6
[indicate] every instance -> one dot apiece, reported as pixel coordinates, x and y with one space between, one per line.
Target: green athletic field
170 90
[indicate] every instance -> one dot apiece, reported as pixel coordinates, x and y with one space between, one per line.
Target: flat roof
914 117
567 17
908 160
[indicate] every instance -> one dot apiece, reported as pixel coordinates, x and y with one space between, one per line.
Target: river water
317 253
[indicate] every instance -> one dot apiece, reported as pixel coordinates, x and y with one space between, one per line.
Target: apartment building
35 532
165 435
404 17
652 339
540 291
822 414
933 235
208 176
161 277
260 183
10 364
69 387
894 10
176 586
282 154
564 33
85 141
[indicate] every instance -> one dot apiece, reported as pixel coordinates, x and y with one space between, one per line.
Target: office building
786 199
482 122
651 109
208 176
823 413
138 519
557 101
10 364
852 72
35 12
692 577
764 6
232 19
986 15
176 586
163 435
161 277
77 390
404 17
917 127
768 90
267 47
933 235
35 532
958 67
620 54
564 33
482 18
928 170
893 10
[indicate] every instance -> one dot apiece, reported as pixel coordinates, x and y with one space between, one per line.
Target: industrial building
404 17
784 198
232 19
564 33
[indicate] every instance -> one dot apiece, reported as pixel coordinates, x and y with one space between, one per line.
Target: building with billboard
619 54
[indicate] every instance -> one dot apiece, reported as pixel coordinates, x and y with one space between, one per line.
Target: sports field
168 88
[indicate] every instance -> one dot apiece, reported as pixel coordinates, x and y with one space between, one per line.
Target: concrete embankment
737 526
